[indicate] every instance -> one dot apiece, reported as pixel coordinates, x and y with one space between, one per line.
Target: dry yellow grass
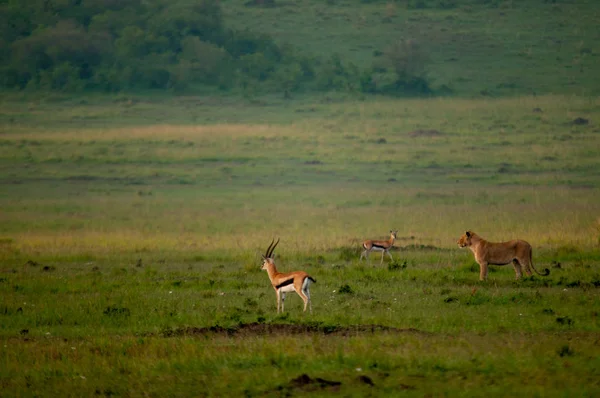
328 177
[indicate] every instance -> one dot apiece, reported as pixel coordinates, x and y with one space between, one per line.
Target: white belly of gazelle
287 288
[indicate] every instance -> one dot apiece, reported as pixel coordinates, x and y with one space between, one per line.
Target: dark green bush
159 44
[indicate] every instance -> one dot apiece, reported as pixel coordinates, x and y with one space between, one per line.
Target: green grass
97 326
131 226
407 362
130 250
364 167
490 48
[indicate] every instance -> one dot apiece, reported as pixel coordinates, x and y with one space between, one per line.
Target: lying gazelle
382 246
298 281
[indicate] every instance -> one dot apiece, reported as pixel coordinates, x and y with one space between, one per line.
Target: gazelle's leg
304 297
309 301
282 302
382 254
278 299
390 254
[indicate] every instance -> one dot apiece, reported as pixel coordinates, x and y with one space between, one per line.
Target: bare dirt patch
261 329
421 247
305 383
580 121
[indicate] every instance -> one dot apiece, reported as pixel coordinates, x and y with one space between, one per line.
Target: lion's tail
546 270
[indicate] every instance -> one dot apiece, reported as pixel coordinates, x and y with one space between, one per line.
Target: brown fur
516 251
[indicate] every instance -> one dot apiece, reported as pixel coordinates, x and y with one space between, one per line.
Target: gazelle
283 282
383 246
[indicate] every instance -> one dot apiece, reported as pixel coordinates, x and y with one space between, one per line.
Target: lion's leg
525 264
483 270
517 268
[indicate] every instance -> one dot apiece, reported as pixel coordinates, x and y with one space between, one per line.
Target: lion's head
465 240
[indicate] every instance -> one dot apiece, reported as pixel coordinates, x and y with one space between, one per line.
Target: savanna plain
131 251
132 226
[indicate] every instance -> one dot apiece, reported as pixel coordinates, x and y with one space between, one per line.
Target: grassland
473 48
131 231
131 226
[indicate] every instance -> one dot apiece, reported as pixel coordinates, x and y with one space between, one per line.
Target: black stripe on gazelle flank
285 283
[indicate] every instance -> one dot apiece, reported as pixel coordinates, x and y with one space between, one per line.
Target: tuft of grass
565 351
349 253
397 265
345 289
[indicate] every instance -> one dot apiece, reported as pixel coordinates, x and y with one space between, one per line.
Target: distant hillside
474 47
285 47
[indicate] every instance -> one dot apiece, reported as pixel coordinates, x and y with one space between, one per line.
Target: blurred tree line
125 45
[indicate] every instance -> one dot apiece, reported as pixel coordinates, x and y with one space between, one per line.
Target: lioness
518 251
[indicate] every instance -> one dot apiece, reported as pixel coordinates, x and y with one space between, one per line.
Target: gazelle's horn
270 249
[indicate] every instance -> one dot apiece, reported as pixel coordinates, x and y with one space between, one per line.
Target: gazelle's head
267 257
465 240
393 234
